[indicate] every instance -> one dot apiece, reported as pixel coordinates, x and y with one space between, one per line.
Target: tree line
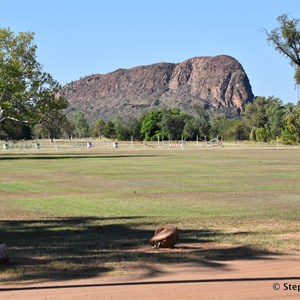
264 120
31 106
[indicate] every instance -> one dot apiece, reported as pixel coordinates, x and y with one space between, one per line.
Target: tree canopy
28 95
286 40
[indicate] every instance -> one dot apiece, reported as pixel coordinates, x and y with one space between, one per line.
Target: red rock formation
219 81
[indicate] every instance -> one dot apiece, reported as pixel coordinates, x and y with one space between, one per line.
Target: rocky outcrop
219 82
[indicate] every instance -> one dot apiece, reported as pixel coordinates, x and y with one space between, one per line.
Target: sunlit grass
51 203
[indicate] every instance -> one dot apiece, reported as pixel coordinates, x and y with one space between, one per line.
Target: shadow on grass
70 248
38 156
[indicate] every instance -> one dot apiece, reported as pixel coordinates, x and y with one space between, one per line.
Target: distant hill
218 82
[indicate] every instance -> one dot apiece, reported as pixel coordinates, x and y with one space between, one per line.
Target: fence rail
95 145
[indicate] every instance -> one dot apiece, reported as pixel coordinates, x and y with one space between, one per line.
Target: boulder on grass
3 254
165 237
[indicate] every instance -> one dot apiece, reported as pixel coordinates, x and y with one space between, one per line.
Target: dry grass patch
70 215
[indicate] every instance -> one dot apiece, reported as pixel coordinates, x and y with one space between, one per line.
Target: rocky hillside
218 82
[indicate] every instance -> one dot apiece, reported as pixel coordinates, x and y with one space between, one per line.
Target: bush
262 135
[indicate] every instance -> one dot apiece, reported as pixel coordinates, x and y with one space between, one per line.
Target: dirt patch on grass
290 236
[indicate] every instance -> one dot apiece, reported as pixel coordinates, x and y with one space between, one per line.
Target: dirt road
271 278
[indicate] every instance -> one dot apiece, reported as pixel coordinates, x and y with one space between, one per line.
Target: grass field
82 214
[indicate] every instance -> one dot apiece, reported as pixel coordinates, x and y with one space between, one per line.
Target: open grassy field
82 214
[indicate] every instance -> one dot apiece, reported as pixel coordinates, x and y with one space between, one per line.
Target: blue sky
76 38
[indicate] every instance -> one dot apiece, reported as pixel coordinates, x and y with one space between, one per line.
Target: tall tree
109 130
127 127
68 129
203 120
286 40
291 130
172 123
255 112
265 117
49 114
27 92
150 128
81 125
98 129
275 113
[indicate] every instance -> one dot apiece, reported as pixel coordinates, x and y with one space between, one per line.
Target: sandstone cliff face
218 81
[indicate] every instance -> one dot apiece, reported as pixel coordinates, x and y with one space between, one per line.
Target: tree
97 129
110 130
262 135
39 132
203 121
231 129
150 128
135 128
255 112
172 123
265 115
26 92
50 114
297 80
286 40
81 126
121 130
291 130
240 130
191 128
68 129
127 127
217 125
15 130
275 114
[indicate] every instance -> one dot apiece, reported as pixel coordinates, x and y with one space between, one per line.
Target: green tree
231 129
297 76
150 125
172 123
267 114
81 126
291 129
26 92
127 127
191 128
262 135
68 129
275 112
240 130
39 132
15 130
217 125
122 131
286 40
110 130
255 112
203 121
136 125
51 117
98 129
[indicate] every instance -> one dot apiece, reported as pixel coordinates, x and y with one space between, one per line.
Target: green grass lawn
79 215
